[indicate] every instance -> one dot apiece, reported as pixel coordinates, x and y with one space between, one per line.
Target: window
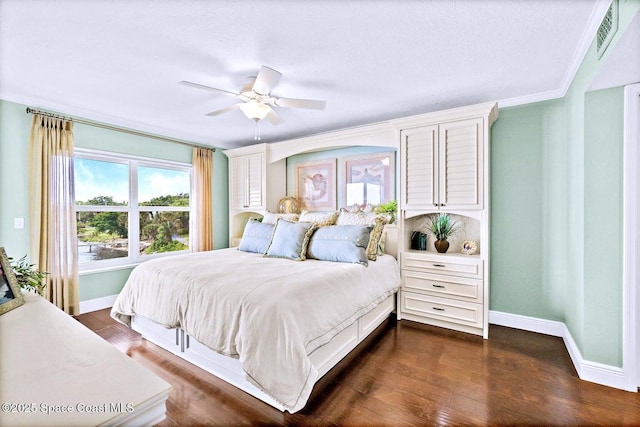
129 209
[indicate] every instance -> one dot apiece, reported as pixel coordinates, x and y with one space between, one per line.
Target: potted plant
28 277
442 226
389 209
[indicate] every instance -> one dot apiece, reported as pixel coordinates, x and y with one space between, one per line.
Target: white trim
599 373
530 99
631 247
132 208
97 304
121 122
115 157
588 35
526 323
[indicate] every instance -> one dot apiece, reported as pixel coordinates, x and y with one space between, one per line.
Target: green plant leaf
28 276
442 225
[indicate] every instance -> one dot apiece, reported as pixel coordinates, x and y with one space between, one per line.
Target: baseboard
97 303
526 323
594 372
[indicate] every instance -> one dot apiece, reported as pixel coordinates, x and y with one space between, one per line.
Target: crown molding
93 116
588 35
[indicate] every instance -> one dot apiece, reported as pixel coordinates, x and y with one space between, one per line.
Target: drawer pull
438 308
439 265
438 286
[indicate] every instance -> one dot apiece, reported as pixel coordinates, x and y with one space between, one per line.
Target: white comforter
270 313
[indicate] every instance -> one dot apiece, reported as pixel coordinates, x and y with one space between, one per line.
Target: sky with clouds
95 178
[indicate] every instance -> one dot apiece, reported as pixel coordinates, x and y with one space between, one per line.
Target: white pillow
320 218
272 218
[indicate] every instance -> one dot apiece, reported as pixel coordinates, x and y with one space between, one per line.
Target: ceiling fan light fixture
255 110
256 100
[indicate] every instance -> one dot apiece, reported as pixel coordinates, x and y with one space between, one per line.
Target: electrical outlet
18 223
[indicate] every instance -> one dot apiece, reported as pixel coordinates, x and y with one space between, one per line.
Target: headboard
391 240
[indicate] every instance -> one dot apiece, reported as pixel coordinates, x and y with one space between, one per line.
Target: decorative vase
288 205
442 245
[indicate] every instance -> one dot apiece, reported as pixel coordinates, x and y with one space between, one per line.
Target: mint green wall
102 284
556 177
596 329
14 137
522 180
603 209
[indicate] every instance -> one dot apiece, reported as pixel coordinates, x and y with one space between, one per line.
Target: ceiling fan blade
224 110
266 80
209 88
300 103
273 117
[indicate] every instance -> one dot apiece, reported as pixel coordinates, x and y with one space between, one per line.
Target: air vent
607 28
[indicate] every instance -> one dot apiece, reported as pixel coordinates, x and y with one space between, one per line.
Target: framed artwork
369 179
10 293
316 185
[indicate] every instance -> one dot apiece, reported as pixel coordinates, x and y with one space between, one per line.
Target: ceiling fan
256 101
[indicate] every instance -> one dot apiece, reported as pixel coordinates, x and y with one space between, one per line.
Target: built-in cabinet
256 184
444 167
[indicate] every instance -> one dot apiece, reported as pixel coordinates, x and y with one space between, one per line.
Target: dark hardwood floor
406 374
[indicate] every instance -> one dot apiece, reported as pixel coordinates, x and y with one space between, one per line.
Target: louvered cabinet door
419 154
460 164
246 180
255 181
237 183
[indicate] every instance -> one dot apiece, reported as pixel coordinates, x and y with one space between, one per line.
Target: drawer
448 310
443 264
461 288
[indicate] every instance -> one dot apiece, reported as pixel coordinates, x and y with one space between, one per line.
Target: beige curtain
202 239
52 211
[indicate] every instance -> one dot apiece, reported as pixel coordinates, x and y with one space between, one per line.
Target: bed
270 325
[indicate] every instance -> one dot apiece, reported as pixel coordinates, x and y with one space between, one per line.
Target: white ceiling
120 61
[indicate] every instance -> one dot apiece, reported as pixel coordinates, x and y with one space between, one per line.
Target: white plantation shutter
460 158
420 148
254 186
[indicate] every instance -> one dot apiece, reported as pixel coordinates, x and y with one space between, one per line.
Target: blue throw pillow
256 237
290 240
340 243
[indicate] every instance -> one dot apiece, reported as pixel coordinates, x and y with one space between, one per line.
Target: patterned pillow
340 243
256 236
272 218
376 242
355 218
322 219
290 240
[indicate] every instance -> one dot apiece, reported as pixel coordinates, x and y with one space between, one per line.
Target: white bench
55 371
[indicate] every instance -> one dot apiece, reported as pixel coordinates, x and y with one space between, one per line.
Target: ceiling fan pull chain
257 131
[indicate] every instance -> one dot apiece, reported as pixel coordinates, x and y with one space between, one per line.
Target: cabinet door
255 194
246 182
237 183
460 164
418 154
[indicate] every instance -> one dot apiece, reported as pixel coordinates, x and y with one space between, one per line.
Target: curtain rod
117 129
